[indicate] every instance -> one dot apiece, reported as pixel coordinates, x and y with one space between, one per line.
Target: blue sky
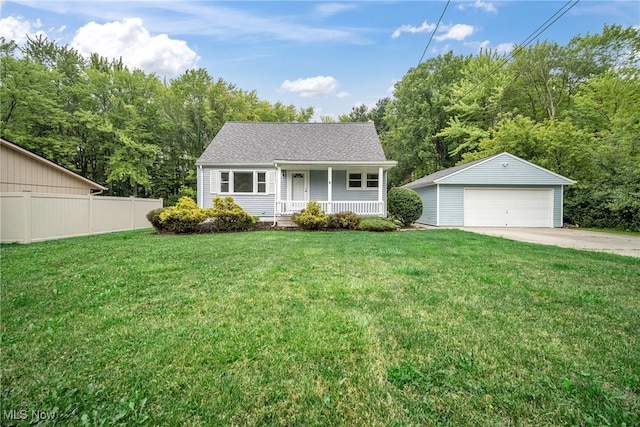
328 55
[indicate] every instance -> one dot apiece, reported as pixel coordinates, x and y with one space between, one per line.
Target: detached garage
497 191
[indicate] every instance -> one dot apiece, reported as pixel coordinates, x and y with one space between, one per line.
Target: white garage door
508 207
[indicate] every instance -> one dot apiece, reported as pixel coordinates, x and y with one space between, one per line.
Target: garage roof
500 169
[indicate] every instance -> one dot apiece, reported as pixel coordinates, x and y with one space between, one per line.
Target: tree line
573 109
122 128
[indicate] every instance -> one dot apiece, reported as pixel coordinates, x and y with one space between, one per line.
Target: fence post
90 214
27 217
132 212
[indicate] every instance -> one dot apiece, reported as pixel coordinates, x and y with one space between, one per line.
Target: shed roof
527 173
253 143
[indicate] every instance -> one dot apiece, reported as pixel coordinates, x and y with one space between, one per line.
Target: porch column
329 190
380 192
277 209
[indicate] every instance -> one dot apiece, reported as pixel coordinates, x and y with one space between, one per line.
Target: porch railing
375 208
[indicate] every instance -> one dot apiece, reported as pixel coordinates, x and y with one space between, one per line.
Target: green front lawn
328 328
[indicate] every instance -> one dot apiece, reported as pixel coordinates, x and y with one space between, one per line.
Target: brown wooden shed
22 170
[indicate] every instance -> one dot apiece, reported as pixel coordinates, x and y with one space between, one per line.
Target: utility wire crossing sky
328 55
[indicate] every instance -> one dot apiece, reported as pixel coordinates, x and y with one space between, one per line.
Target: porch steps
286 223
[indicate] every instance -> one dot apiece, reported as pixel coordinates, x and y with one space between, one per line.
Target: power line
434 31
533 36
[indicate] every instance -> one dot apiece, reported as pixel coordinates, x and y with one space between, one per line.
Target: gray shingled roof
262 143
430 179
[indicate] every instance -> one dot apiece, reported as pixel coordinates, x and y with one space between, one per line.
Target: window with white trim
242 182
224 183
362 181
372 180
261 182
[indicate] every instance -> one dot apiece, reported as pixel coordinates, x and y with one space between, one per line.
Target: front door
298 186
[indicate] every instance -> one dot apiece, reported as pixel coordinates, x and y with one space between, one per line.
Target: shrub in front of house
153 217
342 221
310 218
226 215
184 217
368 223
404 204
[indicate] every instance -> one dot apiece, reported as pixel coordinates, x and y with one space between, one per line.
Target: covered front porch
289 207
358 187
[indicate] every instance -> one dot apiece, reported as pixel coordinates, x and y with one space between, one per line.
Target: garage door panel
512 207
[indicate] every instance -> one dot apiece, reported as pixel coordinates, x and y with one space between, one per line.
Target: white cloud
484 45
311 87
504 48
412 29
18 29
479 4
343 94
456 32
130 40
219 20
501 49
451 32
324 10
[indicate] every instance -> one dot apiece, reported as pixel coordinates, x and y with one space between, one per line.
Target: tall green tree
478 99
117 126
416 116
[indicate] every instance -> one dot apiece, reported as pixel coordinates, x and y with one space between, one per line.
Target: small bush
227 215
310 218
153 217
332 222
368 223
342 220
404 204
184 217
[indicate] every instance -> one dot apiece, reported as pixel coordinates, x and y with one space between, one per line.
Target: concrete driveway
621 244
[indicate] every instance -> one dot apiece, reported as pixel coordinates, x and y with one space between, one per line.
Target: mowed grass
431 327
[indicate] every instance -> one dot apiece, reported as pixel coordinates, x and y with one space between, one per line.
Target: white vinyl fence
33 217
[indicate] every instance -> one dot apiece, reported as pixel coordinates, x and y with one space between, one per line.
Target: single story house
274 169
22 170
497 191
